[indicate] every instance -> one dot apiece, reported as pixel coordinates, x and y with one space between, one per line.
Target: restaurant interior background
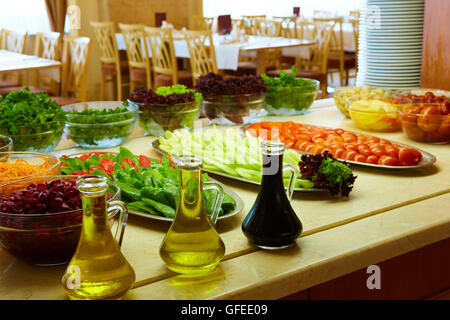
395 219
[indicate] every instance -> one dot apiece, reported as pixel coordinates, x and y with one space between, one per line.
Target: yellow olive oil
98 270
192 245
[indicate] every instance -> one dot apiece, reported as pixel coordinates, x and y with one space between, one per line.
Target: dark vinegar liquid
272 223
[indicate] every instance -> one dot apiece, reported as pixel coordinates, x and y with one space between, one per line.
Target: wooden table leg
261 61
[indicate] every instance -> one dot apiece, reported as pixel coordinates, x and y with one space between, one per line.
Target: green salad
146 185
101 127
289 94
33 120
167 108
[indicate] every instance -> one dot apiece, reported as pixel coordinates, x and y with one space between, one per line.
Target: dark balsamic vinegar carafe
272 223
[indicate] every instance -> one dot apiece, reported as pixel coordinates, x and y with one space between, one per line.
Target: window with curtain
238 8
26 15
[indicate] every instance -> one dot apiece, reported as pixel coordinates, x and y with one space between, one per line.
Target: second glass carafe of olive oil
192 245
98 270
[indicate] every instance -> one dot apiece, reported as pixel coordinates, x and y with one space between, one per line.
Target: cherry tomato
372 140
378 150
429 119
408 156
364 150
351 146
391 151
318 148
350 155
372 159
360 158
339 153
348 137
145 162
309 147
388 161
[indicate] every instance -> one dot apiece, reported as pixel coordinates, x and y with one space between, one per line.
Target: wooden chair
249 23
112 67
317 65
48 46
338 61
164 62
322 14
14 41
354 14
202 23
237 23
355 27
74 70
137 53
288 26
201 52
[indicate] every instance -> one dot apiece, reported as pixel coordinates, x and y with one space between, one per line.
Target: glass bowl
41 138
52 167
100 131
6 144
426 122
286 101
49 238
374 115
155 119
232 109
344 94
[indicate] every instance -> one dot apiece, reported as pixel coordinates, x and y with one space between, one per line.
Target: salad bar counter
353 215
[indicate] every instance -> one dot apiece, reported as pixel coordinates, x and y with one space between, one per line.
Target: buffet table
389 213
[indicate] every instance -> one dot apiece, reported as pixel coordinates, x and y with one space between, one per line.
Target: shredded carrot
12 171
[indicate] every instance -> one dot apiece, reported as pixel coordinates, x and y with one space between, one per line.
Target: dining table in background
13 62
228 50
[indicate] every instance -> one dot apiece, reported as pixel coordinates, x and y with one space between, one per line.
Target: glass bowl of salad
345 95
167 109
374 115
231 101
33 121
16 166
39 228
288 94
100 124
6 144
426 122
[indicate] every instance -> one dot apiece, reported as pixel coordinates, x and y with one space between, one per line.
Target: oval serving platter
155 145
231 193
427 158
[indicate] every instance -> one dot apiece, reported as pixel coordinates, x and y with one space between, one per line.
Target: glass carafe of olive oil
271 222
98 270
192 245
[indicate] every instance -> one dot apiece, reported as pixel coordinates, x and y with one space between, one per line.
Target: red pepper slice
129 161
107 164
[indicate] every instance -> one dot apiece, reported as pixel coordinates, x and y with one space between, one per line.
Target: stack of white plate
390 43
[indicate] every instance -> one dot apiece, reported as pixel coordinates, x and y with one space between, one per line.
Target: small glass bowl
425 122
156 119
108 130
41 138
232 109
287 101
45 239
33 158
6 144
378 120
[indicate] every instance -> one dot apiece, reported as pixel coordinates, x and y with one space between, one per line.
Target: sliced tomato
79 173
129 161
145 162
107 164
84 157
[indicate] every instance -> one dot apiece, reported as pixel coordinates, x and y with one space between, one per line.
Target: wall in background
436 45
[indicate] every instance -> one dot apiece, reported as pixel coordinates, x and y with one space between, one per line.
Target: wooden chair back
105 35
355 27
13 40
322 14
48 46
321 34
337 42
137 50
354 14
74 66
288 26
163 53
249 23
202 23
267 28
237 23
201 52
